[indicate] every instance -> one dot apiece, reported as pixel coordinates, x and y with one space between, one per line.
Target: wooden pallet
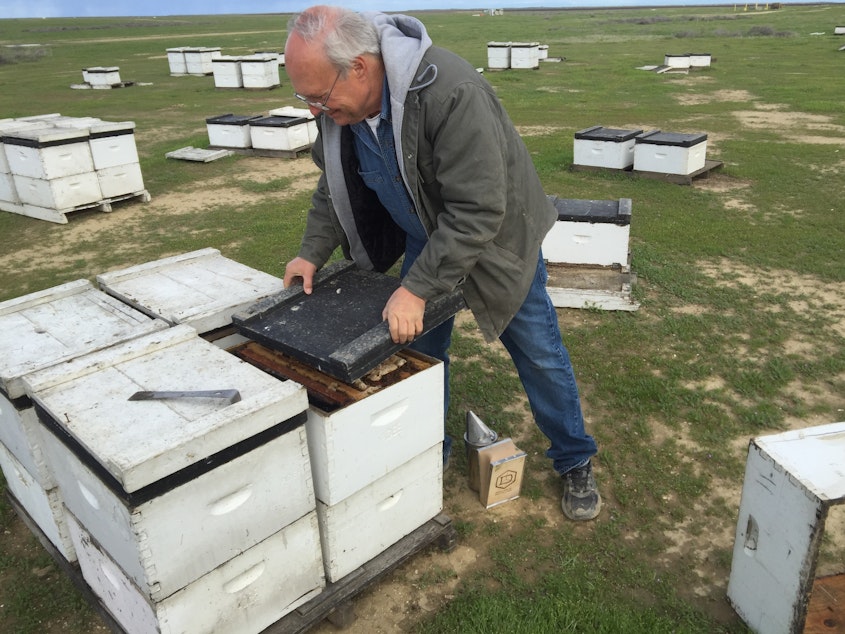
251 151
334 603
59 216
678 179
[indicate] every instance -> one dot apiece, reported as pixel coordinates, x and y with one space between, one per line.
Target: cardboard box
502 465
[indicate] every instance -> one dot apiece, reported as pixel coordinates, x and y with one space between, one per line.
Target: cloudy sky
88 8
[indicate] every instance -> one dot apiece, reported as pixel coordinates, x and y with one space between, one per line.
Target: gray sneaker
581 500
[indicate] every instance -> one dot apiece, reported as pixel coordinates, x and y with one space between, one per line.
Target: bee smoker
477 436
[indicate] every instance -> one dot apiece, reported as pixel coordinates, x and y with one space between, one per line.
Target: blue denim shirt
380 170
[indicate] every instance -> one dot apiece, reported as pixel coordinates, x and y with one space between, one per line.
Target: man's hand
404 314
300 270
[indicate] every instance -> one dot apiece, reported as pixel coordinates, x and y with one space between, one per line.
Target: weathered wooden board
201 288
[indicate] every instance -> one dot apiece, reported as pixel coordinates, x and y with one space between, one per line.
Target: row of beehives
200 514
285 128
504 55
259 70
687 60
654 151
52 164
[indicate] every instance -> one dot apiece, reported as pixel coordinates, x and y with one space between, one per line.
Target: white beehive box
173 488
245 595
199 61
699 60
227 72
37 331
201 288
101 75
44 507
354 446
592 232
279 133
839 30
791 481
8 191
112 143
676 61
670 152
260 71
498 55
363 525
543 51
230 130
525 55
64 193
598 146
120 180
305 113
176 60
48 152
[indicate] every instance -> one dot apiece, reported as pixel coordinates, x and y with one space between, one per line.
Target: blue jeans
542 362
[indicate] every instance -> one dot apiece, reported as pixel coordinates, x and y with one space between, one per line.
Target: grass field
740 277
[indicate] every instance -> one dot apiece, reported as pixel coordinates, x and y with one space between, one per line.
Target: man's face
319 84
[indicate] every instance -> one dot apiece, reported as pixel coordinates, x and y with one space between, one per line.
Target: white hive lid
57 324
141 442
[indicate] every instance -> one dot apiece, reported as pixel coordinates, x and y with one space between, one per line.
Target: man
420 159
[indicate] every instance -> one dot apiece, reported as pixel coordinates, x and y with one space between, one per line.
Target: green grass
734 338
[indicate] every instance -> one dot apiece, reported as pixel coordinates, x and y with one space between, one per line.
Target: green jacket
467 169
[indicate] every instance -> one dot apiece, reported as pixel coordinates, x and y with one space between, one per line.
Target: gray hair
343 33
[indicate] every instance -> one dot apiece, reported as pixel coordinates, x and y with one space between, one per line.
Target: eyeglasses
320 105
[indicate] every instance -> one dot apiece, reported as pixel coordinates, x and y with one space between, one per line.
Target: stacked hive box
176 61
101 76
37 331
279 133
592 232
227 72
378 470
376 463
598 146
525 55
498 55
670 152
187 513
199 60
302 113
230 130
55 164
260 70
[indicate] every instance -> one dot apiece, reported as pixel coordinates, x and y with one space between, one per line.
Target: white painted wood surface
62 193
173 539
20 434
354 446
596 243
669 159
366 523
44 506
57 324
201 288
245 595
120 180
791 480
141 442
593 298
597 153
117 147
70 155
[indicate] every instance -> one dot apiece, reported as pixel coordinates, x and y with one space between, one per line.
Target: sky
94 8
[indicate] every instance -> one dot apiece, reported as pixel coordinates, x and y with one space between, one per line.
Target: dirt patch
797 127
717 96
